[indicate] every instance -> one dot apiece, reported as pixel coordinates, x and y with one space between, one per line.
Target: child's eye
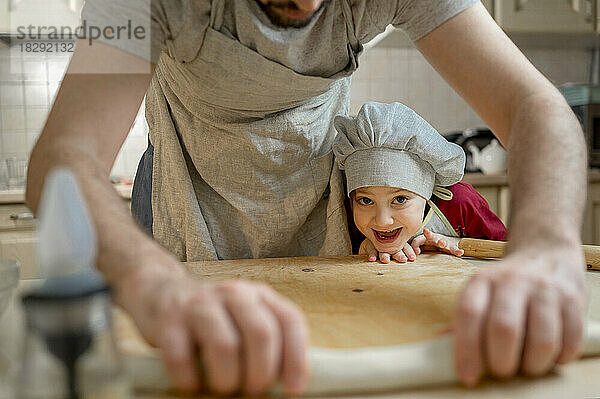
400 200
364 201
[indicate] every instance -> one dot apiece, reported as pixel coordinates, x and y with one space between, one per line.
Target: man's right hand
246 335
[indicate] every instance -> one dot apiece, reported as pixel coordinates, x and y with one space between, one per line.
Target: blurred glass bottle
70 351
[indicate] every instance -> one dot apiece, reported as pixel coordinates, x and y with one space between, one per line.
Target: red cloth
470 214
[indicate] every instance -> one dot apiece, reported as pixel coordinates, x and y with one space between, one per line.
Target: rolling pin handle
479 248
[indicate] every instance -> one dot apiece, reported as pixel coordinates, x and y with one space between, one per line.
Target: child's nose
384 217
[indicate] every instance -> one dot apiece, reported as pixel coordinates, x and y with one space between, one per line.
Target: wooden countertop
577 379
18 196
12 196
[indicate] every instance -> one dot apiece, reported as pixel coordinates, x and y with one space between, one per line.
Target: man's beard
280 20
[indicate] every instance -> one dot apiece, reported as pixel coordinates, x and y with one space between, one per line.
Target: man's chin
286 22
278 17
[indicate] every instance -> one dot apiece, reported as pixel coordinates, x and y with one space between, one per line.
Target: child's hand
437 241
406 254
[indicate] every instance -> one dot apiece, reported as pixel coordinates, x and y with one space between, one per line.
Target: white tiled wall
402 74
385 74
28 85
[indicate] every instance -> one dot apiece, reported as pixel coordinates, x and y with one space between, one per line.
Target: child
394 161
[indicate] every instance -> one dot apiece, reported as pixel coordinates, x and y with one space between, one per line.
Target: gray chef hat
390 145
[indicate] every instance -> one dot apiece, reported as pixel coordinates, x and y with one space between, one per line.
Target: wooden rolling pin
355 371
478 248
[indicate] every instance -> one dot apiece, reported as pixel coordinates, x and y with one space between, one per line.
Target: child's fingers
417 242
400 257
409 252
372 252
429 234
454 241
435 239
453 248
384 257
367 248
456 251
453 251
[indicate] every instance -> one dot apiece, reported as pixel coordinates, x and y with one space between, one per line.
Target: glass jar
70 351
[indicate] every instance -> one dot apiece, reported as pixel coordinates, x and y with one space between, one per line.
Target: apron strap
442 193
443 218
350 31
217 9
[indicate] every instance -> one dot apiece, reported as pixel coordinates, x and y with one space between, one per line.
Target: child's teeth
386 233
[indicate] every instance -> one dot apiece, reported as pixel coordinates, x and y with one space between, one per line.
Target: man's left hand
525 313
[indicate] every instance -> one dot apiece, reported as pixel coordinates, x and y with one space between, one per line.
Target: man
240 104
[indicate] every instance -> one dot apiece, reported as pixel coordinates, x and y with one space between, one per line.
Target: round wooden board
351 303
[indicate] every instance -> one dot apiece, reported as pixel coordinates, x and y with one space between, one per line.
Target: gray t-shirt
317 50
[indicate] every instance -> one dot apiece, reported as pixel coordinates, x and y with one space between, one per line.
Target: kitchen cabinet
21 246
565 16
591 222
16 217
495 190
18 238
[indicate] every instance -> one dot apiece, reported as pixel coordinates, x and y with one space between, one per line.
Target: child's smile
386 237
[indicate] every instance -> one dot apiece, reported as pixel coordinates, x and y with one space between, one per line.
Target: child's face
387 216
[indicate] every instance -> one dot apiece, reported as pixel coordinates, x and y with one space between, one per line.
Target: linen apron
242 161
435 220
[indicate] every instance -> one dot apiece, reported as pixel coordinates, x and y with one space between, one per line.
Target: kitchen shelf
18 196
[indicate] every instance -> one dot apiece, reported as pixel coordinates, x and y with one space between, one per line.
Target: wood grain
348 302
352 303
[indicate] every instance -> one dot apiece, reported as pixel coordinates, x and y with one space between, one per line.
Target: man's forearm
123 249
547 173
